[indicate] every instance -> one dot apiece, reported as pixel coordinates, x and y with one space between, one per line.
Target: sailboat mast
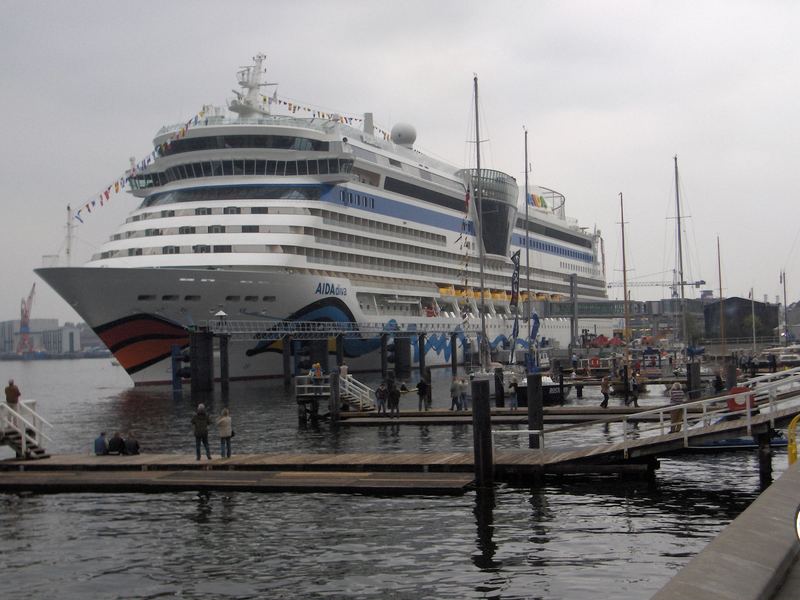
625 332
680 250
527 248
484 338
721 302
785 314
69 236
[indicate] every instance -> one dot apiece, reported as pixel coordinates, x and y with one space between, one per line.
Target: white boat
271 217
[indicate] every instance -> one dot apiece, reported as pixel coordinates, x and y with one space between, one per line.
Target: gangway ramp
770 401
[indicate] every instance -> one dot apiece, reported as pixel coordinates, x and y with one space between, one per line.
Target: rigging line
791 250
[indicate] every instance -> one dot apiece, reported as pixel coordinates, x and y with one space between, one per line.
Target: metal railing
306 385
761 398
26 422
359 393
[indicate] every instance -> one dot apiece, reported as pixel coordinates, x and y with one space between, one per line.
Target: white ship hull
141 313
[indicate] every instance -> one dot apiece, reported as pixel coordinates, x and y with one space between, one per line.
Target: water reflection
485 502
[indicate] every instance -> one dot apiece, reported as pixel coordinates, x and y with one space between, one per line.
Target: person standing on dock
605 388
225 427
12 395
422 393
633 382
463 386
514 387
676 396
394 400
454 392
381 395
200 422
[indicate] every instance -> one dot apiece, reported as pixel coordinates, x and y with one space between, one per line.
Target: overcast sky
609 92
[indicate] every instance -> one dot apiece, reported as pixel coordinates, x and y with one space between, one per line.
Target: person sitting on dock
200 423
117 444
101 445
605 388
676 396
131 444
381 395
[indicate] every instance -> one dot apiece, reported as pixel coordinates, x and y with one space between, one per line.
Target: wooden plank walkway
66 481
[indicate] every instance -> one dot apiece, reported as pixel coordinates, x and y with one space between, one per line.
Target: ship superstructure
278 217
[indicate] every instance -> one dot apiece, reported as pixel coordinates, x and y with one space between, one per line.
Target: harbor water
571 537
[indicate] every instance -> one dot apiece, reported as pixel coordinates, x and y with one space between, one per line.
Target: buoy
594 362
733 405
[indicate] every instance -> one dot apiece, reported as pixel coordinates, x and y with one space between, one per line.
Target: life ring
594 362
733 405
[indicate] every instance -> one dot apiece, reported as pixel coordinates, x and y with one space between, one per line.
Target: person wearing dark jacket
131 444
200 422
116 444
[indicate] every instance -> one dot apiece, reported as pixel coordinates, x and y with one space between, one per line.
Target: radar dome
404 134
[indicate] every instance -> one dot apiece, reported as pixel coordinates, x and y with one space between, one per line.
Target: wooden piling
421 352
339 350
764 459
384 355
287 362
499 389
454 353
482 433
334 404
224 363
201 356
176 367
693 382
535 408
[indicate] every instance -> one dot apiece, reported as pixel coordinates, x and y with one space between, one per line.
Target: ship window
201 249
260 166
271 165
231 210
216 229
170 297
227 167
268 299
167 213
232 298
186 229
202 211
152 232
145 297
250 167
191 298
333 165
216 168
249 228
312 167
395 163
170 250
259 210
225 248
238 167
301 167
291 167
323 167
251 298
134 251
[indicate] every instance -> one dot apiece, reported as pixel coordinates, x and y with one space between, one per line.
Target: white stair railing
27 423
360 393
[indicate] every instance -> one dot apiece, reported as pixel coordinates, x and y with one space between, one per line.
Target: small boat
551 391
776 440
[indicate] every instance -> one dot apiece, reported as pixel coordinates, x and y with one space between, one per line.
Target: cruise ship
270 218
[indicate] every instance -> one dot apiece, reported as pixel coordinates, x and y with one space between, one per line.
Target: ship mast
721 302
484 341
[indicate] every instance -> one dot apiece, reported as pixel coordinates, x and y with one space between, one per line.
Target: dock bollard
482 433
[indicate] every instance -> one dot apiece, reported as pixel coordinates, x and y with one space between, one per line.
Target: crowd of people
118 444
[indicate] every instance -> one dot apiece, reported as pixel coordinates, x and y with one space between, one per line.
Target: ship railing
359 394
275 330
26 423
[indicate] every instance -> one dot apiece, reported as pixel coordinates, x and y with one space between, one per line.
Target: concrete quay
754 558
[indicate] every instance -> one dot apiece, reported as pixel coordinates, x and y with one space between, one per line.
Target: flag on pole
515 279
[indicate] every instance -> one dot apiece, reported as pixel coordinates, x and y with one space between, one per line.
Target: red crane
25 343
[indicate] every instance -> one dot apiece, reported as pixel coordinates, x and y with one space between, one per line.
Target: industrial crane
671 284
25 343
